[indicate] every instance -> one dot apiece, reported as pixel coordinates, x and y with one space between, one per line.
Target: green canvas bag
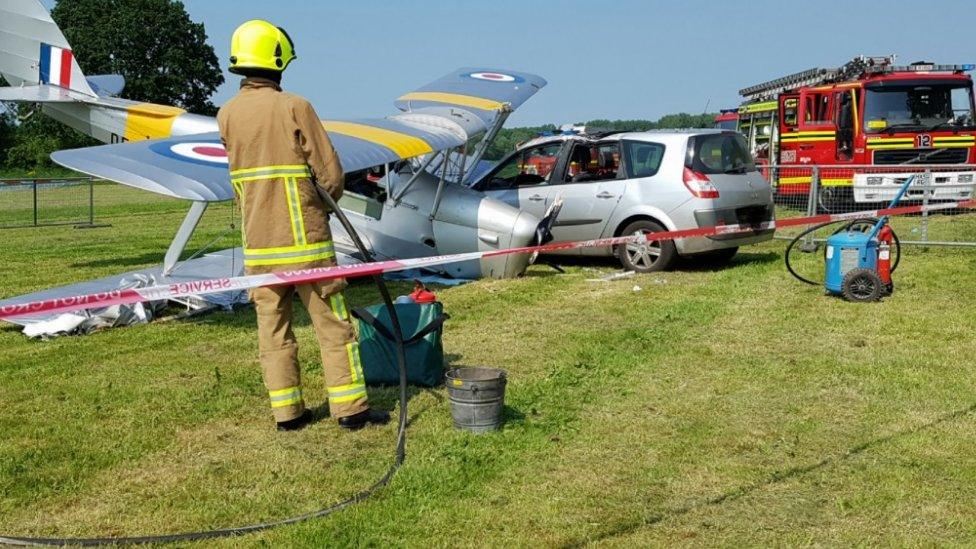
421 324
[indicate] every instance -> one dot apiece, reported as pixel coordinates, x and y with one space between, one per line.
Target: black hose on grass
236 531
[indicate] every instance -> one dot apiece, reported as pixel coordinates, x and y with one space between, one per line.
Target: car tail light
699 184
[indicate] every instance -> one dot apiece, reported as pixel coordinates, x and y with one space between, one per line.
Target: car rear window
719 153
643 159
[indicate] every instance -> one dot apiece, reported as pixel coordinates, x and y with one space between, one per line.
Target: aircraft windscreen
370 183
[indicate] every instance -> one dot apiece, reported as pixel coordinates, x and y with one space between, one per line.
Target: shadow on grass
692 264
689 264
775 478
386 398
511 414
578 261
148 259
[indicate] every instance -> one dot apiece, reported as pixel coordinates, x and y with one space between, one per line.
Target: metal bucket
477 397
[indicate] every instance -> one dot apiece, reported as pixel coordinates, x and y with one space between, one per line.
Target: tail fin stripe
53 65
45 63
66 59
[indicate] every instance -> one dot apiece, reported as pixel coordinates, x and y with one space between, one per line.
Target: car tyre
649 256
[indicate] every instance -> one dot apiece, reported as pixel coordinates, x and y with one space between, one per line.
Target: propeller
543 232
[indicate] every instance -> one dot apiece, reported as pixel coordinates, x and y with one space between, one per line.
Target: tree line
166 60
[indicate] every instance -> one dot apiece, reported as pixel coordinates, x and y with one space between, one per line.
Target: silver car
614 184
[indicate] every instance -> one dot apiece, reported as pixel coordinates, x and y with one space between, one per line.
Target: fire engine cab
727 119
866 114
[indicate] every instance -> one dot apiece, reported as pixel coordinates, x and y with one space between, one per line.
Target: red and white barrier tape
218 285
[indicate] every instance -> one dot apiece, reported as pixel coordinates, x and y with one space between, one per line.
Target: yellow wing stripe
454 99
405 146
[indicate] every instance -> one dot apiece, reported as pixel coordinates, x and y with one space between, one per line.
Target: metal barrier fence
46 202
808 190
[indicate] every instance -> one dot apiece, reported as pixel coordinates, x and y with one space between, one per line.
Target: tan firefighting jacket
275 145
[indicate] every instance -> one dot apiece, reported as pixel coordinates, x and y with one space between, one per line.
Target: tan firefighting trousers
279 349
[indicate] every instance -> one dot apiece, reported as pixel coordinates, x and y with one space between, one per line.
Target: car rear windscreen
719 153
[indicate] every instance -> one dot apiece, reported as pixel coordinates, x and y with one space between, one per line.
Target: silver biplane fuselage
438 218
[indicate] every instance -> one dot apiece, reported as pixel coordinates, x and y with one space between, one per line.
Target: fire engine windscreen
918 107
729 124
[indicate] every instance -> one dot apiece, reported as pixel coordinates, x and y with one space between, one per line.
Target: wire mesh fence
44 202
807 190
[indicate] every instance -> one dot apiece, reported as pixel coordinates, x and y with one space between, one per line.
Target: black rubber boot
364 418
299 422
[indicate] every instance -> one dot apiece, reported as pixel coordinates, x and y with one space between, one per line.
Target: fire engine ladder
813 77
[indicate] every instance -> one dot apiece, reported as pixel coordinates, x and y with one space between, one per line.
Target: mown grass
706 407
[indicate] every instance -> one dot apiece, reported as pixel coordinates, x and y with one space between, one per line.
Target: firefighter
278 151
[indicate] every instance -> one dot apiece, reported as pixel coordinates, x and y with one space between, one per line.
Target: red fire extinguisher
884 258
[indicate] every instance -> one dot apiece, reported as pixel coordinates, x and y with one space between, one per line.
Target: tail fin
38 63
33 50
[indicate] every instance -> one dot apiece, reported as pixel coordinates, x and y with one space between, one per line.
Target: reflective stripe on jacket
276 147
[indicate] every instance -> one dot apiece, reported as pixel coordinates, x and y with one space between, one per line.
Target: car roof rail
600 133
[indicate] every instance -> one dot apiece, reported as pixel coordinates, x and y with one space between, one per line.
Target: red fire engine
727 119
866 113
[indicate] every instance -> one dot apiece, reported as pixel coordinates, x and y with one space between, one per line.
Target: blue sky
611 59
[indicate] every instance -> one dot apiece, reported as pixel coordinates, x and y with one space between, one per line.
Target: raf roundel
213 153
493 76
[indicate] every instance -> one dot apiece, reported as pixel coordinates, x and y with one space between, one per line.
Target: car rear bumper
743 215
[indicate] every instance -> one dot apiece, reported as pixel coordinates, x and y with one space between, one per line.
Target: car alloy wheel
643 256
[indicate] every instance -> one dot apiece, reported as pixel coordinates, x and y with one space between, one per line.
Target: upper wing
444 114
194 167
483 92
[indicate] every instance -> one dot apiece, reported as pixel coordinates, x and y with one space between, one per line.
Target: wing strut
440 185
416 174
183 235
487 140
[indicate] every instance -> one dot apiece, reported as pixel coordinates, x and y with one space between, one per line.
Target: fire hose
398 459
376 269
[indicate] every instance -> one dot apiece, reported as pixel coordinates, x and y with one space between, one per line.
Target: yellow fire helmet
258 44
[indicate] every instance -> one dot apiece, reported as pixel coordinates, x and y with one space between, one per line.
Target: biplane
405 173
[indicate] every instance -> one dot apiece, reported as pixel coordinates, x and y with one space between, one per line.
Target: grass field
707 407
